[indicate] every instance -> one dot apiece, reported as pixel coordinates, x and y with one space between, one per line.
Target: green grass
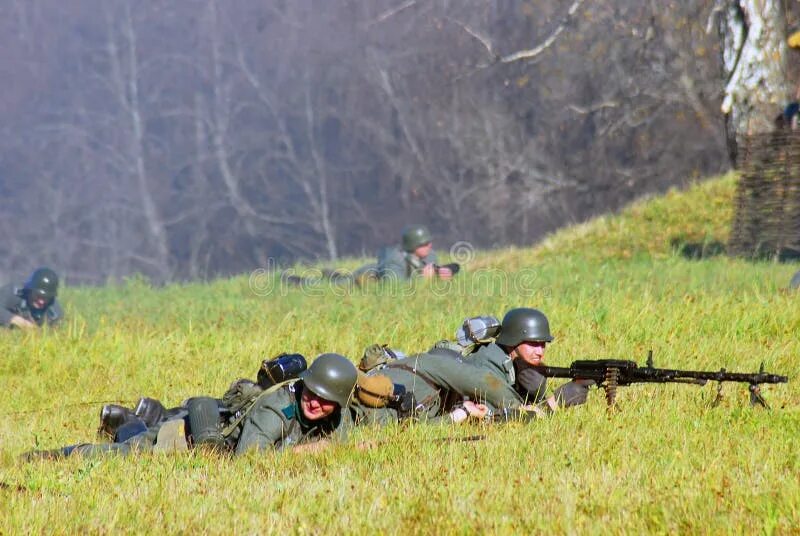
615 287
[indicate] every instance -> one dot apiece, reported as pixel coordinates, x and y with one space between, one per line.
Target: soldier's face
315 407
37 302
424 250
532 352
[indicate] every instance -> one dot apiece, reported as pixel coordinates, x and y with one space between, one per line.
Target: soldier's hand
477 411
428 270
21 322
445 273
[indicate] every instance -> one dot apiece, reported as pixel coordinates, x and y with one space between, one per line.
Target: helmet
415 236
524 324
332 377
43 283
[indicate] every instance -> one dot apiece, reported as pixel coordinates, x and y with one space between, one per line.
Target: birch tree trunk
754 59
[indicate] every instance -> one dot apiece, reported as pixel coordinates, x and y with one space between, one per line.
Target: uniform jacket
276 421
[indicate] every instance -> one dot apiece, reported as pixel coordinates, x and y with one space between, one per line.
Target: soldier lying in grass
294 413
487 372
414 257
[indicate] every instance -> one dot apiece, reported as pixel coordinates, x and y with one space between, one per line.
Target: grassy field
615 287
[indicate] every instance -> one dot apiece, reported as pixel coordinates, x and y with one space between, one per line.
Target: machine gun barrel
630 372
611 373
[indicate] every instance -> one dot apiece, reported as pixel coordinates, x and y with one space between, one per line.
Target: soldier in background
415 256
32 305
794 283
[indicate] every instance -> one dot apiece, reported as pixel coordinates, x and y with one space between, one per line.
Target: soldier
294 413
524 335
306 411
415 256
428 386
32 305
794 283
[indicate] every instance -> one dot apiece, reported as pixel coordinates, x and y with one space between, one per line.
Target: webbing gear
376 355
244 411
409 406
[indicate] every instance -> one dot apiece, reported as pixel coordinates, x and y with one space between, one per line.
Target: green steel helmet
415 236
43 283
332 377
524 325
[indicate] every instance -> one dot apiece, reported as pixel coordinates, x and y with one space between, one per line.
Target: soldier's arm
313 446
476 383
5 317
21 322
393 269
263 429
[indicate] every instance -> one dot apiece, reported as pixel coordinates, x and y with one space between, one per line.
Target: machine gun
612 373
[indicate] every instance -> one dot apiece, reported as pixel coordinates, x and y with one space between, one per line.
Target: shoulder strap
232 426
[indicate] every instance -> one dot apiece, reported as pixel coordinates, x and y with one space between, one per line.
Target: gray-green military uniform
248 416
12 303
395 264
400 262
275 421
440 379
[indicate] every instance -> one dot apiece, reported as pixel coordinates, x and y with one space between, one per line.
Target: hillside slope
616 287
658 227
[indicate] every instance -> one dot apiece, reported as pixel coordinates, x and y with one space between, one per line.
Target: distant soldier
794 283
415 256
32 305
294 413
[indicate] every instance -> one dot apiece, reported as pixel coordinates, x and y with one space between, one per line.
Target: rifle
454 268
612 373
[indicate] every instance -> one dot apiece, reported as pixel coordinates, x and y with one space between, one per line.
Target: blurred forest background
197 138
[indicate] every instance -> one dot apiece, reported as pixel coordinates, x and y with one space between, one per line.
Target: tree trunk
754 59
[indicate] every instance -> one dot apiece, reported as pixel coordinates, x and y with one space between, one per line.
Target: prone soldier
293 413
427 387
415 256
489 371
33 304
